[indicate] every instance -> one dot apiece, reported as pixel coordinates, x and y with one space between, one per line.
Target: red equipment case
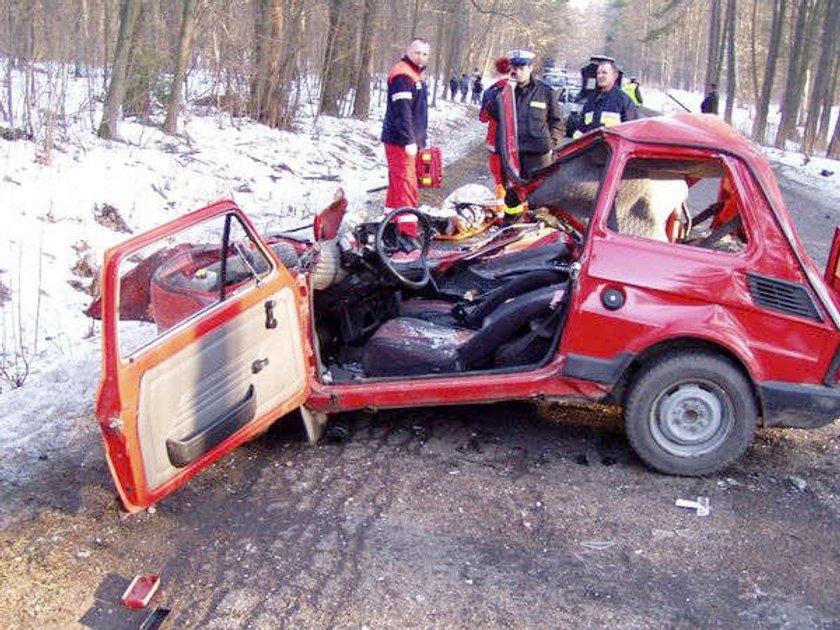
429 168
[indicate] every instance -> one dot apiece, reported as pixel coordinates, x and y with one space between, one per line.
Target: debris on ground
597 545
701 505
797 482
141 590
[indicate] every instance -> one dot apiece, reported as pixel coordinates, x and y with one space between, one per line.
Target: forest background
269 58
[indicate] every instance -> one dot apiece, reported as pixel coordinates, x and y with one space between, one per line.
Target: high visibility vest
630 90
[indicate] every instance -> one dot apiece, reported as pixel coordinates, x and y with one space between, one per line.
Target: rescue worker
710 103
608 105
488 115
539 121
633 90
404 127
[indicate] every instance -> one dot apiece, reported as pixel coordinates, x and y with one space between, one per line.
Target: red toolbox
429 168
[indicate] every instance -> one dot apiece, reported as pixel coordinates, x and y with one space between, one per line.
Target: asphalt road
516 515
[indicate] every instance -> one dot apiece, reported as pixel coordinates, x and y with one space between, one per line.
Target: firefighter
633 90
404 127
608 105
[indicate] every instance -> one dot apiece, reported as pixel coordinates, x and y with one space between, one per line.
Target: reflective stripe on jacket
406 112
605 109
631 90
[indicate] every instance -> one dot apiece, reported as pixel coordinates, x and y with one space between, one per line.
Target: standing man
453 86
608 105
633 90
710 103
464 84
404 127
477 87
539 121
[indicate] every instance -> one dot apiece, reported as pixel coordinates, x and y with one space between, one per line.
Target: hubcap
691 418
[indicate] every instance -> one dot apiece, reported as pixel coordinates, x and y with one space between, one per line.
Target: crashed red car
676 286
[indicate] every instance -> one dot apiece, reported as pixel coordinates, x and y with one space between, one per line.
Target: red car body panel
119 390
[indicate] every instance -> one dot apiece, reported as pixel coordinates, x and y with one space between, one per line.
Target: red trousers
402 178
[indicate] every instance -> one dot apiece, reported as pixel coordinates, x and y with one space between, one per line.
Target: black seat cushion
434 311
407 346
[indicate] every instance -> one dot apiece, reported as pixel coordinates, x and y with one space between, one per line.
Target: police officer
539 121
404 127
608 105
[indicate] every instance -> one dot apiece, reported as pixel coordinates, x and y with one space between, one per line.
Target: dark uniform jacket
406 113
539 121
710 103
605 109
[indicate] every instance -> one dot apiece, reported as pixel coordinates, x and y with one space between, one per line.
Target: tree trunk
825 120
822 83
440 74
714 52
795 78
333 77
753 63
834 146
10 32
170 125
116 89
763 103
731 67
361 102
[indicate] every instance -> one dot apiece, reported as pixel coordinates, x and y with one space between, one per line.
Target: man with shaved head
404 127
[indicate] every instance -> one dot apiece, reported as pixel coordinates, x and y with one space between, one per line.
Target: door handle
270 320
258 364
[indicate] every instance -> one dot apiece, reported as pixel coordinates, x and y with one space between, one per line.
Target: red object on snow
141 590
429 168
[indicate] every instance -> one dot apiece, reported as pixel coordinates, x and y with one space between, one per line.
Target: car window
687 202
172 280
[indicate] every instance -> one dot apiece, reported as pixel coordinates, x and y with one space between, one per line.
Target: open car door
203 348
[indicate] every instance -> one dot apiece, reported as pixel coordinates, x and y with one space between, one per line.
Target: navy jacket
539 121
406 114
605 109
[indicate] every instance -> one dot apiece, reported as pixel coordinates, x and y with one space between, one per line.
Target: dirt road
515 515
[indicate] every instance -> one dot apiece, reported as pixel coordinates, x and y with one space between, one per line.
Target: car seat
406 346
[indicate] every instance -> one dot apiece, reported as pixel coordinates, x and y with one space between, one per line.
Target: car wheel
690 413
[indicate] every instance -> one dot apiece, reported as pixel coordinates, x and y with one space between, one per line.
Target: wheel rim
691 418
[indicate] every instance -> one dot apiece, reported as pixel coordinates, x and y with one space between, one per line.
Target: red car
678 289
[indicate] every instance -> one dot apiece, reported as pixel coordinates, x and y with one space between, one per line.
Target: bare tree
715 44
731 66
763 104
795 76
170 125
361 102
821 89
116 90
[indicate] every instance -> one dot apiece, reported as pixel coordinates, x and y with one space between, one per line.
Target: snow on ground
279 178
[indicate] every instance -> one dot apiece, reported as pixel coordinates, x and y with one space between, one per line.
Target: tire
690 413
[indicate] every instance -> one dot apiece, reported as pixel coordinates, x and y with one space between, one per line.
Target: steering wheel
402 246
